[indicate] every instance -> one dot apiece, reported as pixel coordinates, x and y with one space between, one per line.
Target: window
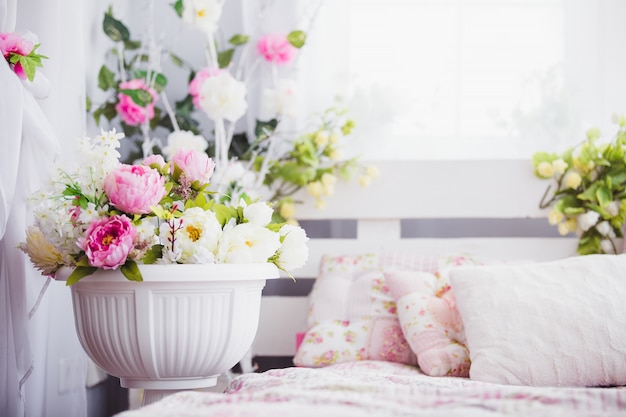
471 79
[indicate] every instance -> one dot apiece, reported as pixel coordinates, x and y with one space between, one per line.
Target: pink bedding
374 388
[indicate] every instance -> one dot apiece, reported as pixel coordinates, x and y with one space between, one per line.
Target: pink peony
130 112
197 166
12 43
108 241
154 159
276 48
195 86
134 188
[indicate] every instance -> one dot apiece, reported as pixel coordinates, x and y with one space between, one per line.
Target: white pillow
560 323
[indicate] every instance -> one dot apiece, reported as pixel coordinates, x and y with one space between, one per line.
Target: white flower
183 139
202 14
545 169
294 251
555 217
572 179
588 220
321 138
607 246
559 166
258 213
247 243
199 236
223 97
282 100
613 207
315 188
605 229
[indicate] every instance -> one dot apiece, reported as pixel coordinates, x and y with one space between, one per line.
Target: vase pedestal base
154 390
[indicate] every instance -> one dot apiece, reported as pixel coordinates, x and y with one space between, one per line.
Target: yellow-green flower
555 217
545 169
42 253
572 180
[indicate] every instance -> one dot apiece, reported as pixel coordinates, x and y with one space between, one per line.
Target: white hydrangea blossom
613 208
247 243
202 14
605 229
183 139
223 97
282 100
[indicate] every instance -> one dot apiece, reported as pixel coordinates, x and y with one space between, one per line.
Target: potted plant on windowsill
166 281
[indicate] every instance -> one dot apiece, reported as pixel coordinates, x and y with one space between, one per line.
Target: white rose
183 139
247 243
202 14
545 169
283 100
588 220
258 213
294 252
223 97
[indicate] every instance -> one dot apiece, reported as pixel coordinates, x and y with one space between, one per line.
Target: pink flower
154 159
195 86
108 241
134 188
275 48
130 112
12 43
195 165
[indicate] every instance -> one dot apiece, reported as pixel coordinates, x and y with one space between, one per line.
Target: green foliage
297 38
589 190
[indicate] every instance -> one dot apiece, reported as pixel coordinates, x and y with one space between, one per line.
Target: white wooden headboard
488 209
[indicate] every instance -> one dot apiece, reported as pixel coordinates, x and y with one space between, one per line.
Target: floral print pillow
352 312
430 320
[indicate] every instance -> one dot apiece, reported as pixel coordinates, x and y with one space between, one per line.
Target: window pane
452 79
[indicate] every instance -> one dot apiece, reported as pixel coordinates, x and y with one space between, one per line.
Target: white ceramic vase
179 329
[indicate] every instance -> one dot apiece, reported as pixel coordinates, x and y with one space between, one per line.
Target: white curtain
42 366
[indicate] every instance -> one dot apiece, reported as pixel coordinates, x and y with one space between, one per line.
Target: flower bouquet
589 190
273 156
109 215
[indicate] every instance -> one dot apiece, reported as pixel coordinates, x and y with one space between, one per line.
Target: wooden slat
437 189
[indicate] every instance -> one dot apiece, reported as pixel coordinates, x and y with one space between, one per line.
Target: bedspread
374 388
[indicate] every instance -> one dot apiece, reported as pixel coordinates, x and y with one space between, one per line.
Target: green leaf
109 111
132 45
239 39
106 78
115 29
139 96
297 38
224 57
603 195
87 104
224 213
131 271
264 130
160 81
176 60
153 254
178 7
78 273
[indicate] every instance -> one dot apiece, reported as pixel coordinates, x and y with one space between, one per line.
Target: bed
439 290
